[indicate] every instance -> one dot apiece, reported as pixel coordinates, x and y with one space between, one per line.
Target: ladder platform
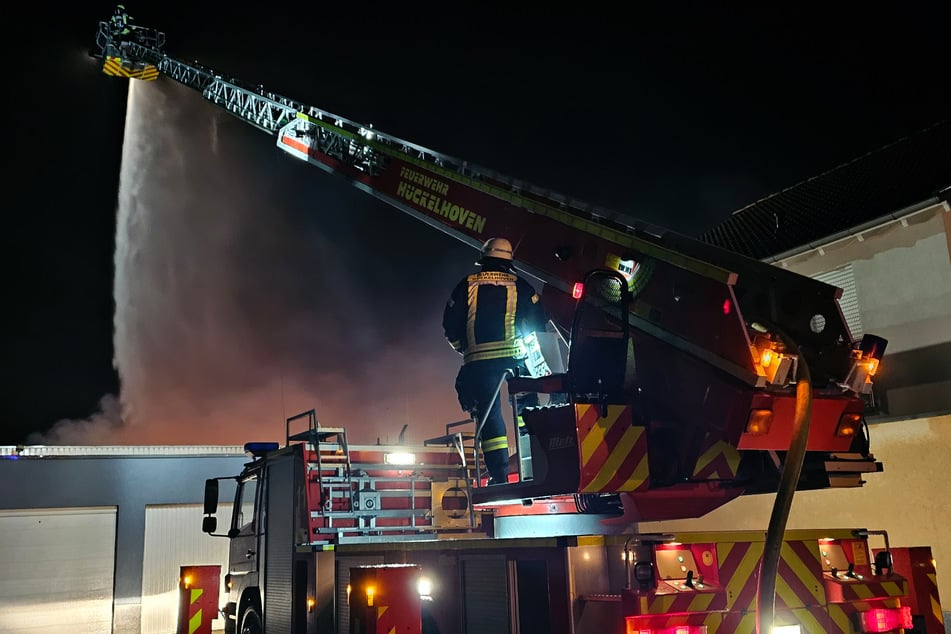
321 434
448 439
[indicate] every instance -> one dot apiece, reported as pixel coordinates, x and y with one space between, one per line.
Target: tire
251 622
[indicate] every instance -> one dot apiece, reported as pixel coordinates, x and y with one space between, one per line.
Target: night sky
676 116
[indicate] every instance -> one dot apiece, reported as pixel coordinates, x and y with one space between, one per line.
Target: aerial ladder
694 375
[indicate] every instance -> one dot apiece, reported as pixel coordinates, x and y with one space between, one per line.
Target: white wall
902 277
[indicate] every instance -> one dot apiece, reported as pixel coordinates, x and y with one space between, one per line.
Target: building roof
872 187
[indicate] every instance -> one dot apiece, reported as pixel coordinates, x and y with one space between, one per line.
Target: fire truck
676 377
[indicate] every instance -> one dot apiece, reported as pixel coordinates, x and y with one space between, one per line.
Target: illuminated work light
778 367
399 458
425 588
865 359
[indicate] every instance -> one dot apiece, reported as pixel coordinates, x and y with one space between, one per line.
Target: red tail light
885 619
673 629
577 290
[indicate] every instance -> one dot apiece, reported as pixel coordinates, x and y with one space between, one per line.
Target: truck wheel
251 622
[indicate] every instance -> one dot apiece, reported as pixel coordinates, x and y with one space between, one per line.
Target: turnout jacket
487 311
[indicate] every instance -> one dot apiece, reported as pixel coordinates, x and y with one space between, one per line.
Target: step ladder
327 457
462 441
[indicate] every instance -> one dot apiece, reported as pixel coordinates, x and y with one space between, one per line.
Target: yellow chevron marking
895 589
194 622
713 620
805 574
619 453
661 604
936 610
700 603
719 448
839 618
196 592
744 571
808 621
595 436
747 624
639 475
888 588
784 592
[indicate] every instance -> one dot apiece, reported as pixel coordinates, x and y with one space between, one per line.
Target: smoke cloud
250 287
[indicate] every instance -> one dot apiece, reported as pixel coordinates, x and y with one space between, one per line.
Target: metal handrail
485 415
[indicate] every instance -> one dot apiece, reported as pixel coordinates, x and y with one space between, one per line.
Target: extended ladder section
694 297
360 492
690 402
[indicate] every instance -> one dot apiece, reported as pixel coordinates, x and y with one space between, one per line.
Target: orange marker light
849 424
759 422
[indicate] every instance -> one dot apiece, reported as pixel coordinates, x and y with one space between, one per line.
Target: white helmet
497 248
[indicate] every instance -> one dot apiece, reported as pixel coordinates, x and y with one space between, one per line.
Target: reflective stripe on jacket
488 311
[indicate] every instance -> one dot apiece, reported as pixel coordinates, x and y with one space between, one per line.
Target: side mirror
211 497
209 524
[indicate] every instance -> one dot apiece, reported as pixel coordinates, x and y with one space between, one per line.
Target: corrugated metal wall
173 538
485 587
57 570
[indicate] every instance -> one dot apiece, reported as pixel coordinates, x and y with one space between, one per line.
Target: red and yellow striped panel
739 563
866 590
681 602
799 582
613 451
194 610
718 461
113 66
934 618
841 616
385 623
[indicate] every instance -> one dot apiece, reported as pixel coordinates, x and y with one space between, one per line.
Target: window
244 509
844 278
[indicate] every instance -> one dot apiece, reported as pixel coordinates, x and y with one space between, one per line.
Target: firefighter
484 317
121 21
